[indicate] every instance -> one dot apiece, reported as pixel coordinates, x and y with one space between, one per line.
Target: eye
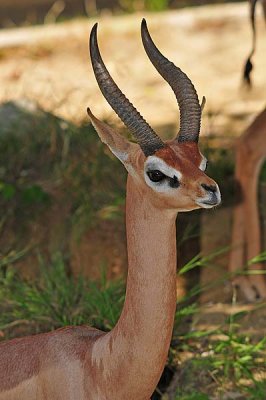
156 175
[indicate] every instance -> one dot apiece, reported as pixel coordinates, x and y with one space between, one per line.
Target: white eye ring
203 164
154 163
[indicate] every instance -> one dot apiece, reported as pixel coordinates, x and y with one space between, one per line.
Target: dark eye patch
156 175
174 182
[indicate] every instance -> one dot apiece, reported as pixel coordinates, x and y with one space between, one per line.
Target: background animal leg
238 243
252 230
237 255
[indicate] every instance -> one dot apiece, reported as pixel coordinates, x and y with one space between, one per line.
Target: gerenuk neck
132 356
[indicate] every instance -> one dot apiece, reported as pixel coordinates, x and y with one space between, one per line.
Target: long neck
140 341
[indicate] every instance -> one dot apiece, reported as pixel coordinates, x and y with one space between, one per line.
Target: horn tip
93 42
144 31
203 103
144 27
93 34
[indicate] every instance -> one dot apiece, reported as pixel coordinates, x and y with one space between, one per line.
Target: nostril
209 188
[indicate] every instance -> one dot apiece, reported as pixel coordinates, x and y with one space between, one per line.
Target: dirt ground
50 64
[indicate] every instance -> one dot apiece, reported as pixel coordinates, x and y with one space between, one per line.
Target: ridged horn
148 140
183 88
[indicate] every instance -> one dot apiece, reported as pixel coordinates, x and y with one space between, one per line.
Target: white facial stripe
203 164
156 163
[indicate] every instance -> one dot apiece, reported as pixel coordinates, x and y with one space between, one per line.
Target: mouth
209 203
205 204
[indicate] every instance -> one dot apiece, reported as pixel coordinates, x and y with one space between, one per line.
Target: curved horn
186 95
143 133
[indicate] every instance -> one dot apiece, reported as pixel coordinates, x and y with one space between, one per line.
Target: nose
209 188
211 196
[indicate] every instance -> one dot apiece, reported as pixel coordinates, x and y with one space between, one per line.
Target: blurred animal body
246 238
250 153
163 178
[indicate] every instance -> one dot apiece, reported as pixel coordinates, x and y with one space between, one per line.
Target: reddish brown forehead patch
174 152
168 155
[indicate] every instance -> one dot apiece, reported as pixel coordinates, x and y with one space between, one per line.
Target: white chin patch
154 163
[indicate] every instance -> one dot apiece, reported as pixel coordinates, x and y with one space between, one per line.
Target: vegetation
218 360
58 299
149 5
221 360
160 5
21 12
47 162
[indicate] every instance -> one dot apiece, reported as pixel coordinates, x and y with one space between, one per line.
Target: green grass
224 357
46 162
233 363
219 360
149 5
57 299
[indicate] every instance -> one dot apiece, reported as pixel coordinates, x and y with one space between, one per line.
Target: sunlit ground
51 65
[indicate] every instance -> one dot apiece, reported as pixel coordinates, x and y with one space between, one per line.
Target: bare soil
50 64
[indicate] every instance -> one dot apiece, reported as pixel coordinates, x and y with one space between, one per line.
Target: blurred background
28 12
62 193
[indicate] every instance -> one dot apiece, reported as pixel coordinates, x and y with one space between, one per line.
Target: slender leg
252 228
238 243
246 227
237 258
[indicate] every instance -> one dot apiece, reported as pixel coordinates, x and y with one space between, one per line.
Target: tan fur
126 363
250 153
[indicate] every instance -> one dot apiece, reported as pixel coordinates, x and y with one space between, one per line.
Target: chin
188 208
207 205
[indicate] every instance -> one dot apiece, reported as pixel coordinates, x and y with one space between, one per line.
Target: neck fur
140 341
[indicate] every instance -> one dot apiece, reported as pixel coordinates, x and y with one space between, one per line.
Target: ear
118 145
